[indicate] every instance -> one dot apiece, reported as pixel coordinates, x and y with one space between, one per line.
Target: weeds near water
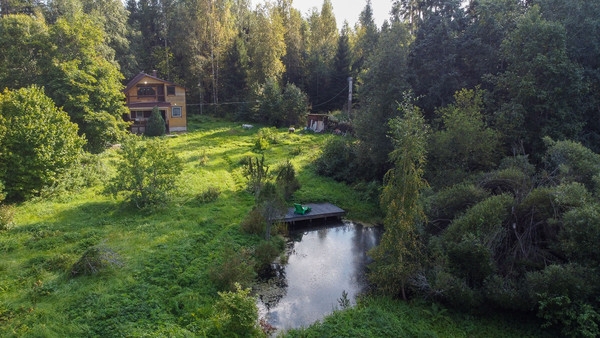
344 301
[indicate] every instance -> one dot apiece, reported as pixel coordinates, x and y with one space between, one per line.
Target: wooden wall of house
177 123
178 100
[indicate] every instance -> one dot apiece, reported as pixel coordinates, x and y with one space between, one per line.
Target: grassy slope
163 288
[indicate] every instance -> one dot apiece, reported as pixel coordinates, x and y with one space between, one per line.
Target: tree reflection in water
323 263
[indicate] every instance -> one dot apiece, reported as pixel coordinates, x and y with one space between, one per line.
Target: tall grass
384 317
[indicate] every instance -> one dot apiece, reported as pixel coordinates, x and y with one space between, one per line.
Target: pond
325 271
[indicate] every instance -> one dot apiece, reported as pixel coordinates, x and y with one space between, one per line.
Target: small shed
317 122
144 92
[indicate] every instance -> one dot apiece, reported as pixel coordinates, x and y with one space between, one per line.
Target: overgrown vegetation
171 263
37 142
147 173
509 222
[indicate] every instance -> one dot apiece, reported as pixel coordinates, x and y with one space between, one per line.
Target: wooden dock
319 211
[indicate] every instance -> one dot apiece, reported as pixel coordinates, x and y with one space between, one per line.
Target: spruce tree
156 124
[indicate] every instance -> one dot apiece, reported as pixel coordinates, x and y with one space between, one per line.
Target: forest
474 125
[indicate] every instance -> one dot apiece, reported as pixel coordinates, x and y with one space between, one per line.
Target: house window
171 90
139 114
146 91
176 112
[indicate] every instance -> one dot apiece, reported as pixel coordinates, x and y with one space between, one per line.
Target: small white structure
317 122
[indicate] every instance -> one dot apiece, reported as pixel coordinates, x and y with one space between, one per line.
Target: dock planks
319 211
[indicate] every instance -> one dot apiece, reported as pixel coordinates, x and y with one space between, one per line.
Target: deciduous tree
146 174
38 141
399 255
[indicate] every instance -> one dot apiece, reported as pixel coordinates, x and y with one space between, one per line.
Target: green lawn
159 285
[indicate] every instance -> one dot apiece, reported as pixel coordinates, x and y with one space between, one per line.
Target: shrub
236 314
237 267
577 319
337 160
264 254
507 294
261 144
450 202
209 195
510 180
470 260
147 172
564 293
571 161
95 260
156 124
485 220
265 137
37 142
256 172
455 291
85 172
369 191
7 214
580 235
287 181
254 222
572 195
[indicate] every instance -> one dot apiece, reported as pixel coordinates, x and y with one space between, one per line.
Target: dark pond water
323 263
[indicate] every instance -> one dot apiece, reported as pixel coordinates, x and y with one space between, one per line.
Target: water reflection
323 263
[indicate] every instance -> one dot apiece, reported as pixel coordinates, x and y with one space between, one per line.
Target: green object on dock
301 210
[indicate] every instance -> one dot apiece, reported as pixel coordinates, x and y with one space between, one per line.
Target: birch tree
398 257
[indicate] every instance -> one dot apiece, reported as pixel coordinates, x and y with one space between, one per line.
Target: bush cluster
211 194
147 173
38 141
237 267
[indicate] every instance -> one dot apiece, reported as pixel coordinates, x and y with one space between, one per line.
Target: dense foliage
147 174
37 142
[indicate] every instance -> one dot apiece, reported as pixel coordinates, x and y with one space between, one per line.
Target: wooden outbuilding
144 92
317 122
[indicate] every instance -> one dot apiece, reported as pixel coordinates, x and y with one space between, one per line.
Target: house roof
140 76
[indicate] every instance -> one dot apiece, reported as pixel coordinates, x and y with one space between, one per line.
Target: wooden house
144 92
